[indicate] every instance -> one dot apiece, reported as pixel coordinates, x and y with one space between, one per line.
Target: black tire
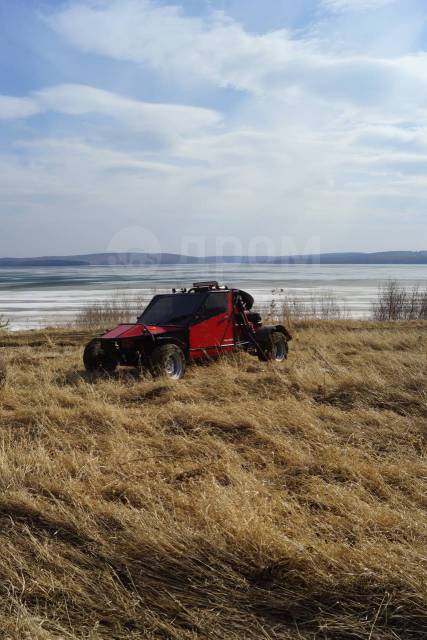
168 360
280 347
99 357
277 350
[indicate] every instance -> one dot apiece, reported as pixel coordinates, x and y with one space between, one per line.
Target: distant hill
137 259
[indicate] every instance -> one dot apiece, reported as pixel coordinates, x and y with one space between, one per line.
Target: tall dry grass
393 302
247 501
3 371
319 305
113 310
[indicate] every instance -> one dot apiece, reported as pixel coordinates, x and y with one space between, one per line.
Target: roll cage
185 307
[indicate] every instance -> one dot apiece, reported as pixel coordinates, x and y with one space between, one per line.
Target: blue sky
233 126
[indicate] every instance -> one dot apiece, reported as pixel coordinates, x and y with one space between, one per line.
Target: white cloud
288 179
323 143
166 118
214 49
74 99
219 51
355 5
11 107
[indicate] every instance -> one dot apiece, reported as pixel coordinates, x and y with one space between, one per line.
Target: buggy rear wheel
277 350
99 357
168 360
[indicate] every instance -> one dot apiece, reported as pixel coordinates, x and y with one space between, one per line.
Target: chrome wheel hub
279 351
173 367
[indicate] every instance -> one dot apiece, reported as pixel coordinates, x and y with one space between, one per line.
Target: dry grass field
248 501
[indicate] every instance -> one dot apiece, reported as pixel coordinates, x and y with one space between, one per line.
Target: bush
119 308
394 302
322 305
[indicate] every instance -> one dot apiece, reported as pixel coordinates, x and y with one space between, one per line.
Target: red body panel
124 331
214 335
132 331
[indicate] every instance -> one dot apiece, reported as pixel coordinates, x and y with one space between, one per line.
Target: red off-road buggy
187 325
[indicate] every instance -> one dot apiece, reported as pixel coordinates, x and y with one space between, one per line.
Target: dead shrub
120 308
394 302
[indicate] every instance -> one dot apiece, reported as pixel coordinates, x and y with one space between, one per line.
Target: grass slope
248 501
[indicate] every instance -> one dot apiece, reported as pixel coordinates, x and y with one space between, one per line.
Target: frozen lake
37 297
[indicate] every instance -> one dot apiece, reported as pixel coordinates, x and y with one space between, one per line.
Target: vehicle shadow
74 377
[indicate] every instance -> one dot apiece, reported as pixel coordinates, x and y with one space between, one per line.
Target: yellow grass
248 501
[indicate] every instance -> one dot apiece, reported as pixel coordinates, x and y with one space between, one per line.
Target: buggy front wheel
168 360
99 357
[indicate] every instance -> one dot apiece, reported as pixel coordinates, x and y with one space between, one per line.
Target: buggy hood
134 331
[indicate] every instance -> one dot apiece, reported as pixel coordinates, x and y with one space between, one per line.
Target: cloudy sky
176 124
